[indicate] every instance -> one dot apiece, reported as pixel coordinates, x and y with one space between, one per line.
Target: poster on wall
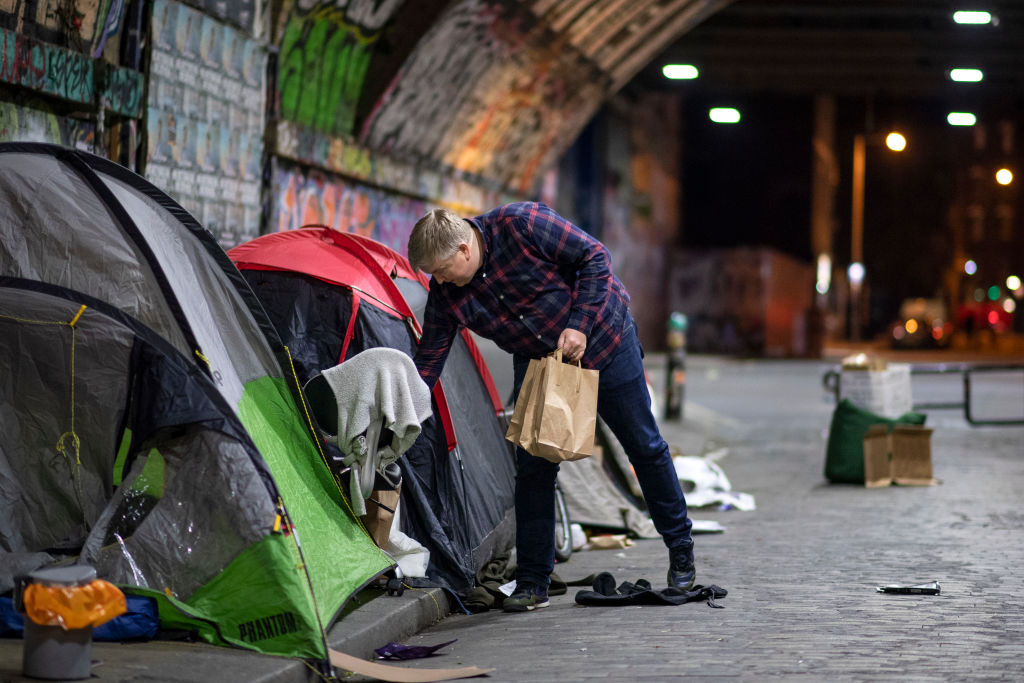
241 13
205 119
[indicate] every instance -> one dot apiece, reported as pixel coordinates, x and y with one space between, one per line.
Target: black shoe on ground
681 572
526 597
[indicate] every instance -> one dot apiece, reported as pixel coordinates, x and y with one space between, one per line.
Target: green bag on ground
844 455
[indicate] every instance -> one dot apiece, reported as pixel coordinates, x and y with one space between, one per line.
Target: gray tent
149 428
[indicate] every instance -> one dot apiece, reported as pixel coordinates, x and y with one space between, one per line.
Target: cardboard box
877 457
902 457
380 513
912 455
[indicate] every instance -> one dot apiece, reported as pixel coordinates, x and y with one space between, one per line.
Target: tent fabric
593 501
132 343
320 288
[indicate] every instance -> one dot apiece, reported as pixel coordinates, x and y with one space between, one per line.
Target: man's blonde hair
436 237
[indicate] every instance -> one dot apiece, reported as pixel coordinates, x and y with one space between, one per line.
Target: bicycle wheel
563 528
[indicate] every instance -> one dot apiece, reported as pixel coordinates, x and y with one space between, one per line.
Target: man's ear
465 249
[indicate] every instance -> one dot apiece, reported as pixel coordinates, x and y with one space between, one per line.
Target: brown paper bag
526 403
380 513
557 411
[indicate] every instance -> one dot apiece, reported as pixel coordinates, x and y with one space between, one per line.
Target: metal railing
833 378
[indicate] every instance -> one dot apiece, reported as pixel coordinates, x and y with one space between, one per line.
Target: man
531 281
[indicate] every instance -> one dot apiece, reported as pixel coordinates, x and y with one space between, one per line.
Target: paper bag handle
557 353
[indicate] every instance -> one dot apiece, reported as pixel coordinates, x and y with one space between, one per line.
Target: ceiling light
966 75
724 115
678 72
961 118
972 17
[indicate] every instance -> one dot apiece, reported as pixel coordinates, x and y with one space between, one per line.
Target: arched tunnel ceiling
499 88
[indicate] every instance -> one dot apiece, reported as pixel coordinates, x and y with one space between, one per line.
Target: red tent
331 295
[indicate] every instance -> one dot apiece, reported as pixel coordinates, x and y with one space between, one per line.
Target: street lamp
897 143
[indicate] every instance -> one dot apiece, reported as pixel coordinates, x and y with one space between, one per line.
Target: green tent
152 424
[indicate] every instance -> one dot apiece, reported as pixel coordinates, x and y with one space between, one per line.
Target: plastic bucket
53 652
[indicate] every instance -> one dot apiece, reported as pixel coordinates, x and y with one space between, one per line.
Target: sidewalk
375 621
801 569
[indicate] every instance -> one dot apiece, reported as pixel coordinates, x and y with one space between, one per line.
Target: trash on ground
400 651
704 483
706 526
931 588
610 541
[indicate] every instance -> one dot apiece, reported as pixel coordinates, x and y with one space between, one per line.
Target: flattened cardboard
400 674
877 457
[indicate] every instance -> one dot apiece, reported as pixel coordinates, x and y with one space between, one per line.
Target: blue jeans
625 405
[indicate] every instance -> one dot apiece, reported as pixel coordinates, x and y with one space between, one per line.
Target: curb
388 618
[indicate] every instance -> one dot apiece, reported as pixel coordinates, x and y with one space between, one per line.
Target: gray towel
375 389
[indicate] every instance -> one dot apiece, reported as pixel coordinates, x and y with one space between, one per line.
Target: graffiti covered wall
35 124
205 119
325 50
83 25
487 91
315 197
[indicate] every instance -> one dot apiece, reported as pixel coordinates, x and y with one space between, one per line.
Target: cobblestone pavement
801 569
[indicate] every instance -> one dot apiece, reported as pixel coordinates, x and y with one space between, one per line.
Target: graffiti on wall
205 119
318 198
84 25
24 124
359 163
488 92
325 50
66 74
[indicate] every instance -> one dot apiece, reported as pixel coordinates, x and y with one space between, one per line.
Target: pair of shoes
681 572
526 597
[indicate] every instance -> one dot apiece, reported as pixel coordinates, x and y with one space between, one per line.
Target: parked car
922 324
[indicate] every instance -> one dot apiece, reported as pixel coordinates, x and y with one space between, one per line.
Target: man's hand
573 343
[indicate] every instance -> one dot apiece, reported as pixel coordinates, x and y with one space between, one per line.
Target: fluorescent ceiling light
972 17
680 71
724 115
961 118
966 75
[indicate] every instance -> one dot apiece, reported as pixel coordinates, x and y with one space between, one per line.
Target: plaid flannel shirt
540 274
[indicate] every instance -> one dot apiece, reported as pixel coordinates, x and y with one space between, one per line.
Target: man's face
455 269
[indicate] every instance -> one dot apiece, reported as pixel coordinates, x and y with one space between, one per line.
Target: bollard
675 374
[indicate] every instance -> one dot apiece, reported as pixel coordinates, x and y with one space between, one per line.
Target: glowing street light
895 142
970 267
1004 176
855 271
